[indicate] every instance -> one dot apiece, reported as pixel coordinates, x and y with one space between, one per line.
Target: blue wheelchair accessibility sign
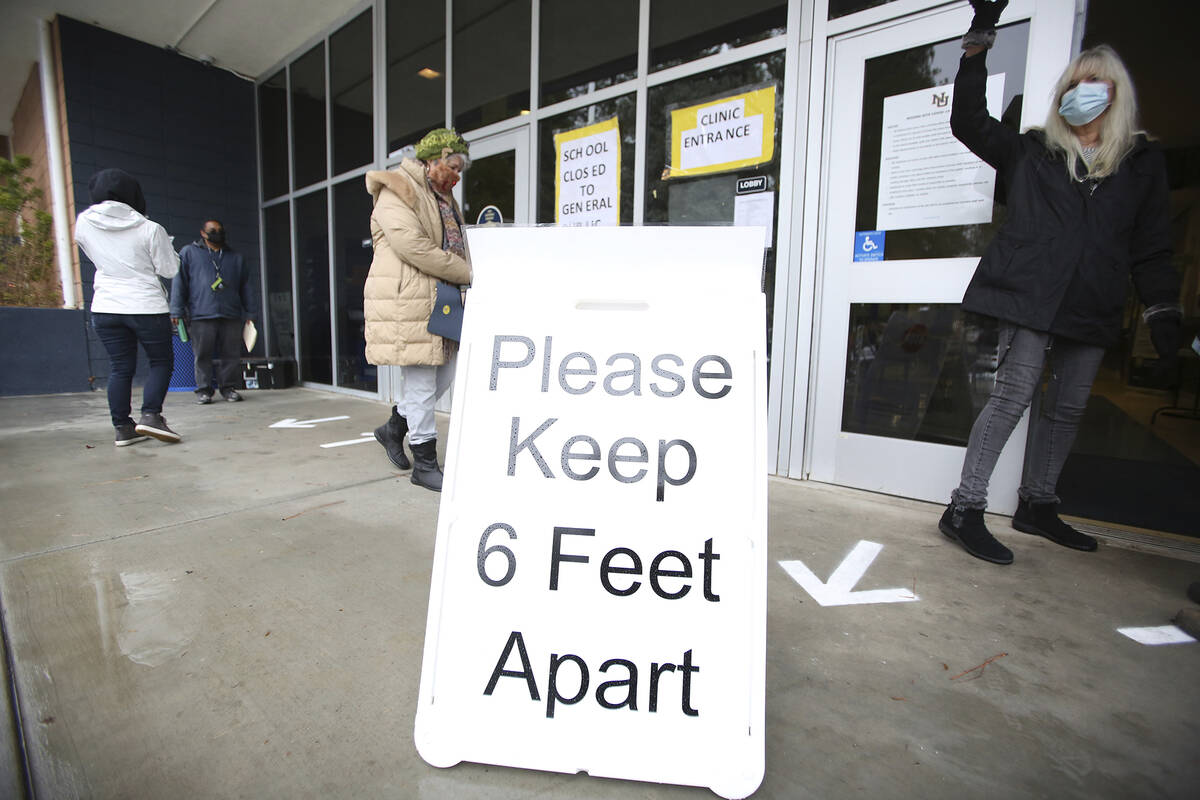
868 245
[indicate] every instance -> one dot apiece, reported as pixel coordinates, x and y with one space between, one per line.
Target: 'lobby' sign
598 597
725 134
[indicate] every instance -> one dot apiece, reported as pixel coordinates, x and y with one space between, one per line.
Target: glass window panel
684 30
922 68
624 108
352 94
416 82
308 117
277 246
840 8
491 61
272 132
312 286
709 199
491 181
352 259
582 50
918 371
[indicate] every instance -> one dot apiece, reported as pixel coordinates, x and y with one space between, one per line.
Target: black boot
426 471
1041 519
966 527
391 435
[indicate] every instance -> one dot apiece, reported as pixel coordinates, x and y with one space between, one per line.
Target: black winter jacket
1061 263
192 296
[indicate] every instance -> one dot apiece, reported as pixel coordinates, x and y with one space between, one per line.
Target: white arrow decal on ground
303 423
839 589
370 438
1160 634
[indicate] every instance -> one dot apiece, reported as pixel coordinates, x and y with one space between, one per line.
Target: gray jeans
422 388
1054 421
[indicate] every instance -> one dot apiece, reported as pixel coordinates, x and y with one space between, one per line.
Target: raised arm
970 121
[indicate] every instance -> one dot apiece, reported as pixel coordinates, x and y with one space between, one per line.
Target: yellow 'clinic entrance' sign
724 134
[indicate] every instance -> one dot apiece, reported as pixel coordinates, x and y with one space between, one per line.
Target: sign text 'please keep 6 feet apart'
598 600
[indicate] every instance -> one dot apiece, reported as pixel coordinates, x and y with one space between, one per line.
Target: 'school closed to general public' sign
599 581
587 178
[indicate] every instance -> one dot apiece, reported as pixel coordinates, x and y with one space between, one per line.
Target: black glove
1164 335
987 14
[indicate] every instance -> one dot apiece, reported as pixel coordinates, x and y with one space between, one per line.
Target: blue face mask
1084 103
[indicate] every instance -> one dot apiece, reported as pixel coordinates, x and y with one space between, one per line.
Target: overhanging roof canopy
247 36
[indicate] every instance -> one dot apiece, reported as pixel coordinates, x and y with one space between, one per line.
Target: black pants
221 338
120 334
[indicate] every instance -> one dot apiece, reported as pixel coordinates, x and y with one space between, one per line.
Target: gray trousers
220 339
422 388
1052 425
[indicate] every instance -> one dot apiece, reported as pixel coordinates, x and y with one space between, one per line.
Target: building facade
871 363
824 120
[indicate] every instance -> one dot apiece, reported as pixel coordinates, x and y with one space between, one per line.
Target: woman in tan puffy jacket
416 230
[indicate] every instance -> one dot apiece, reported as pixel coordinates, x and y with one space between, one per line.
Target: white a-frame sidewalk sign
598 600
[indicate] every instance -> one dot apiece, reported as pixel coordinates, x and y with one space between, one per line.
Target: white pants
422 388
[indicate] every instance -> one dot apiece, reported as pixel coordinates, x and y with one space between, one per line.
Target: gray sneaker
127 435
155 425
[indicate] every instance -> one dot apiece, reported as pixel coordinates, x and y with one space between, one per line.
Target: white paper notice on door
927 178
755 210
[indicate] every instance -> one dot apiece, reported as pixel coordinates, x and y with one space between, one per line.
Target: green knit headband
439 143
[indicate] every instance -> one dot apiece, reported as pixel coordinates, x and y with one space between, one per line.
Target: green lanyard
219 283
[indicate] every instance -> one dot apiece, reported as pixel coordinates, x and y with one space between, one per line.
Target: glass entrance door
498 178
902 371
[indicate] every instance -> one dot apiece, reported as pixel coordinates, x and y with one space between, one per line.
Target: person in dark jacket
214 296
1087 210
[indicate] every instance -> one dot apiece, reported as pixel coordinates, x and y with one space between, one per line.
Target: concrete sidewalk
242 615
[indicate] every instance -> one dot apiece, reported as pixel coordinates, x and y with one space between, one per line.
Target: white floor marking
1161 634
839 589
292 422
370 438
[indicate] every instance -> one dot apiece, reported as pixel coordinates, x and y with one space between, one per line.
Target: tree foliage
28 276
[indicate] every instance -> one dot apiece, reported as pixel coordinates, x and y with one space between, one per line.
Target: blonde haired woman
1087 210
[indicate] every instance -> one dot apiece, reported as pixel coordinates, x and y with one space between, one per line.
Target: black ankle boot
391 435
426 471
966 527
1041 519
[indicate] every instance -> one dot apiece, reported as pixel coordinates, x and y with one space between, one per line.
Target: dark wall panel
43 351
183 129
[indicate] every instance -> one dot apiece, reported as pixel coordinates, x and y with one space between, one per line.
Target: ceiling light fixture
430 74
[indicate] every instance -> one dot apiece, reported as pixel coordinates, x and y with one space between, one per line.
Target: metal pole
54 154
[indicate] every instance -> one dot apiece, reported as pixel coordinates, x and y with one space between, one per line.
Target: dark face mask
215 236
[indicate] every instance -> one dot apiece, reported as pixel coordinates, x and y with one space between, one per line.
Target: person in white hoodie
130 305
